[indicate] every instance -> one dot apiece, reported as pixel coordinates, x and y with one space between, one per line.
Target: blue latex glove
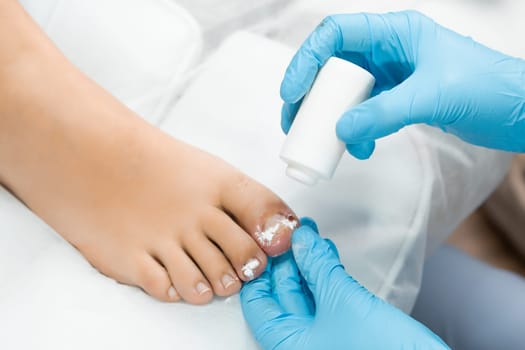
315 304
424 73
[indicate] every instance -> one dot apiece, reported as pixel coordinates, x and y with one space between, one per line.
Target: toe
241 250
187 278
213 264
261 213
153 278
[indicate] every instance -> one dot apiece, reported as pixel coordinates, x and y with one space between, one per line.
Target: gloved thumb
382 114
316 259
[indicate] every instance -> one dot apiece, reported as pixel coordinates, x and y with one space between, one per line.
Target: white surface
419 182
312 146
378 212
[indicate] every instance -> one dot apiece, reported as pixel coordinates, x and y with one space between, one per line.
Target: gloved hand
424 73
315 304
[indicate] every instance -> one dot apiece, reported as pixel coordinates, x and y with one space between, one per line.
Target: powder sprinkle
249 268
272 226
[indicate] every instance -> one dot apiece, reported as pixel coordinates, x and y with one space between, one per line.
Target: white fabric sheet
379 212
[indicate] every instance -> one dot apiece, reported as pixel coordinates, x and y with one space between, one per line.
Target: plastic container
312 149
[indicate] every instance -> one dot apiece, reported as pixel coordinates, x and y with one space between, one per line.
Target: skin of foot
142 207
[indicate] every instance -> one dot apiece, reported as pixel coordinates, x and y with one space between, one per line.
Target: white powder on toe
273 225
249 267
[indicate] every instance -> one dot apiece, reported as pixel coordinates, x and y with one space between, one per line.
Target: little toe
261 213
241 250
153 278
186 277
214 265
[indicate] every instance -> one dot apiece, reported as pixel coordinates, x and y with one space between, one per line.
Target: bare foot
142 207
151 211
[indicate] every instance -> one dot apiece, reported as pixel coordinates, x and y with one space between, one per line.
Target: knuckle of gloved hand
328 23
332 246
415 16
329 32
414 21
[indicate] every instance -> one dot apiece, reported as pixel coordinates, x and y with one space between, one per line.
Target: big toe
261 213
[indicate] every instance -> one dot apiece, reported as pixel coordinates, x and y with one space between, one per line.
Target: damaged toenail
202 288
227 281
274 227
249 268
172 293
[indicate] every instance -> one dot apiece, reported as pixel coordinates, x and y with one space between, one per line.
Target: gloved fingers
333 247
307 221
270 324
381 37
383 114
315 260
361 150
288 112
288 287
369 40
258 302
320 45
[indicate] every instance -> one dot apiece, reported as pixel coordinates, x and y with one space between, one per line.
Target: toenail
202 288
227 281
274 228
249 268
172 293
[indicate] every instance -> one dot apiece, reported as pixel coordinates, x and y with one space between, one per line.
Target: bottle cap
302 174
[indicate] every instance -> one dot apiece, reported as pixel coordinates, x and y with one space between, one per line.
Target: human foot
143 208
151 211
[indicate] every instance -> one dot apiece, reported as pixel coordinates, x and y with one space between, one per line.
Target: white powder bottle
312 149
